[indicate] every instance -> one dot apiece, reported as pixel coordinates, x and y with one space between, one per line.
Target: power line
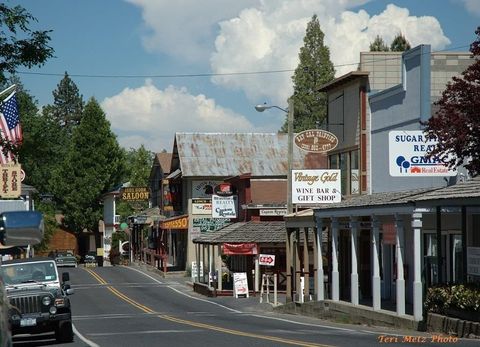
211 74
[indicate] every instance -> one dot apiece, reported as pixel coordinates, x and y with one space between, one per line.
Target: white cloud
150 116
269 38
472 6
185 28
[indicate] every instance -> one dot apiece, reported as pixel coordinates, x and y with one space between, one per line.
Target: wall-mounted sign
135 193
266 259
177 223
202 206
203 189
316 186
11 186
273 212
202 225
316 140
223 189
408 150
224 206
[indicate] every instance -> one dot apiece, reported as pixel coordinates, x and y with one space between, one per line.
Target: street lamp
289 111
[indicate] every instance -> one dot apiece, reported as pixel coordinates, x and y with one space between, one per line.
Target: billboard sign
408 155
316 187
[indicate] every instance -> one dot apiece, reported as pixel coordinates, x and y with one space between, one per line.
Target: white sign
202 206
194 270
316 186
273 212
473 261
266 259
240 284
224 206
408 151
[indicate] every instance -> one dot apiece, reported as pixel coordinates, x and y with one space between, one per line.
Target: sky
160 66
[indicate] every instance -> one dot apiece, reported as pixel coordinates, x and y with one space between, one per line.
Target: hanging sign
316 140
135 193
11 186
266 259
239 249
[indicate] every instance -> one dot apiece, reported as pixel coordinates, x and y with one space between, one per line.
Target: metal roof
231 154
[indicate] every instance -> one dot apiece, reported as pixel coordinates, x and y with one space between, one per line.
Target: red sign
239 249
389 234
266 259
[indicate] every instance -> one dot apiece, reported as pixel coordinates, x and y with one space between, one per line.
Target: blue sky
126 54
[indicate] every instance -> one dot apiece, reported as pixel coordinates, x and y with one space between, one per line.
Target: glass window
333 161
344 173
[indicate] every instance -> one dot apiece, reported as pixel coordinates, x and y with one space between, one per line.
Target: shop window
348 164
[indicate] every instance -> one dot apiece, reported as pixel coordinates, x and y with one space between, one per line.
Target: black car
39 300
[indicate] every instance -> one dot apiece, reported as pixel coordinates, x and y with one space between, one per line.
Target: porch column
400 284
376 291
257 274
219 267
289 257
335 276
210 264
204 263
298 268
417 266
306 265
353 251
197 249
319 260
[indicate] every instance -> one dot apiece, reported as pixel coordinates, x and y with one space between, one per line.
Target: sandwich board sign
240 284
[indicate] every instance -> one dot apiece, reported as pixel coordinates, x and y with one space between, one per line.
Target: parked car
38 298
17 228
66 259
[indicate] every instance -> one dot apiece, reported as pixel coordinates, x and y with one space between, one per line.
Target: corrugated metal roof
231 154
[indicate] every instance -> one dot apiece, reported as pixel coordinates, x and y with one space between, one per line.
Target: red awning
239 249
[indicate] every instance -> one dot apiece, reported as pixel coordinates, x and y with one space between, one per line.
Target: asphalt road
128 306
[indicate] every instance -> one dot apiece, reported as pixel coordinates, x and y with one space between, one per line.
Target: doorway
451 265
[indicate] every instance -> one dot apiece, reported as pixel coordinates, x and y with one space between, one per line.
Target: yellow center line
202 325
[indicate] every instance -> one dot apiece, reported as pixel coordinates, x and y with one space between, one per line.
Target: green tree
67 104
456 125
19 45
378 45
314 69
43 143
400 44
139 163
94 165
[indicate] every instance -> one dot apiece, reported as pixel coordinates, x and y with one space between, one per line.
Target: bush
441 298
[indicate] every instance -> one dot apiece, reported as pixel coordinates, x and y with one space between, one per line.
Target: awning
174 174
239 249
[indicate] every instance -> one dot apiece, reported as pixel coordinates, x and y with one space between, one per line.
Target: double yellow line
202 325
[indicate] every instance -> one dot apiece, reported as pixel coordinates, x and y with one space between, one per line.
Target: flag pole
8 90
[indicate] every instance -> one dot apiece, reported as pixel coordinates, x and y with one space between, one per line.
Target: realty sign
224 206
408 155
266 259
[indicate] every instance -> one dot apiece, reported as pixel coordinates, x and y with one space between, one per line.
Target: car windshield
28 272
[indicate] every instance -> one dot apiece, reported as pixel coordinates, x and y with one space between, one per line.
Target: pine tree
378 45
456 125
94 164
314 70
400 44
67 104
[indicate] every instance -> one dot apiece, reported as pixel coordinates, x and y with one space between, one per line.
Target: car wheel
64 332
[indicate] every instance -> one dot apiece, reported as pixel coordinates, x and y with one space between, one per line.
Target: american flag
10 127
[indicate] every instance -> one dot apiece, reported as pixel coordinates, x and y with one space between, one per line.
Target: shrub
441 298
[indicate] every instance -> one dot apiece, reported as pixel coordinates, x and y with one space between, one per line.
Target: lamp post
289 111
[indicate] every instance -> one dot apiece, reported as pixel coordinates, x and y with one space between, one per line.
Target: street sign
266 259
